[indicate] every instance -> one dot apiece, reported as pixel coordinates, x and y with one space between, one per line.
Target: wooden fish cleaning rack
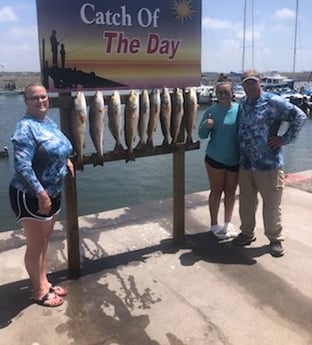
64 102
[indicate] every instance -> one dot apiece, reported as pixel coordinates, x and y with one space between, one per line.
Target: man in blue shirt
261 158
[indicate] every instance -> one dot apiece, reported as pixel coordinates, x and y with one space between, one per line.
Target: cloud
251 34
211 23
22 33
7 14
284 14
19 49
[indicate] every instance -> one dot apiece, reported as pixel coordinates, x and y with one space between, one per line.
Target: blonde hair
29 86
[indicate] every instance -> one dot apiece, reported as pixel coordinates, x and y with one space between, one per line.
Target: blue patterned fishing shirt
41 151
261 119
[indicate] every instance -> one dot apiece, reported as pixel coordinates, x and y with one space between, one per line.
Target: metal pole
244 37
253 35
295 38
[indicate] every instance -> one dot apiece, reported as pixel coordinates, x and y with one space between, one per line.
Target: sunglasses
223 93
37 98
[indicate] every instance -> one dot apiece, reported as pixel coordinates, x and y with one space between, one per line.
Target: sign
119 44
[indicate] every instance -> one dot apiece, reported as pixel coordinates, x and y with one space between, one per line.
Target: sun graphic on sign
182 10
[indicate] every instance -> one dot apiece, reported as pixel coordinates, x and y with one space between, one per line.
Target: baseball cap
250 75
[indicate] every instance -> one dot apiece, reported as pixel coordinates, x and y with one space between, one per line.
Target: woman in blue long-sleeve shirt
41 161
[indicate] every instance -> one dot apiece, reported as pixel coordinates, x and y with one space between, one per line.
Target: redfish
165 114
96 125
131 122
78 126
154 115
191 107
177 114
114 119
144 115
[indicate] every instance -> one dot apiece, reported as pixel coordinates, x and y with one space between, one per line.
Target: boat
4 153
10 88
306 89
206 94
276 81
238 92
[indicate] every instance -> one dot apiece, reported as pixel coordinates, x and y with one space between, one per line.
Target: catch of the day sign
119 44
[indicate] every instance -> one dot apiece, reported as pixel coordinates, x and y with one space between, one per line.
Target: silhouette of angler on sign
54 47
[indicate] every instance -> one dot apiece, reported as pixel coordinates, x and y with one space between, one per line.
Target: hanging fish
144 115
165 114
114 120
154 115
78 126
96 125
131 122
191 107
177 114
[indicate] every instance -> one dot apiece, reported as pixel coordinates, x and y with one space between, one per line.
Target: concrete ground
138 288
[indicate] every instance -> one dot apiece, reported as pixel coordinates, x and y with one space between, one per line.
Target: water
118 184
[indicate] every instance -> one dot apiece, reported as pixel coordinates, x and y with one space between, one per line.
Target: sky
269 36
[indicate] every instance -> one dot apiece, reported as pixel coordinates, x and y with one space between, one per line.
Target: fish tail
189 139
165 141
79 164
99 161
130 157
140 146
118 147
149 142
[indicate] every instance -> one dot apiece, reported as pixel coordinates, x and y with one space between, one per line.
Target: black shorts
218 165
26 206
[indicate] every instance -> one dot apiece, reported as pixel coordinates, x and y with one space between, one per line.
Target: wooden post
72 228
179 186
178 196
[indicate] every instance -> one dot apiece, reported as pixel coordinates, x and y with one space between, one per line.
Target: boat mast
253 35
295 38
244 37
